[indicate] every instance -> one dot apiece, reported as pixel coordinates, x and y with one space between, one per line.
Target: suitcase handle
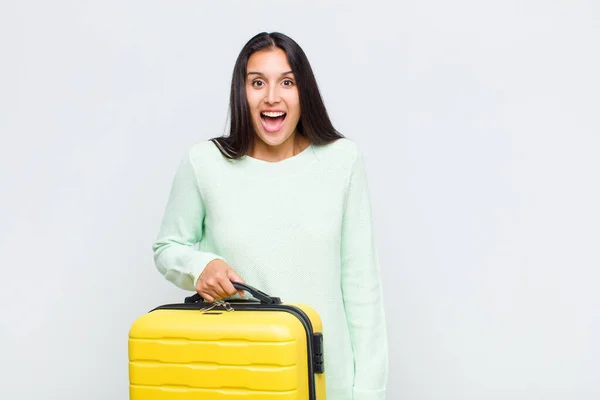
257 294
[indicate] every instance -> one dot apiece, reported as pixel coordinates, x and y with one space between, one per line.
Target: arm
182 227
362 291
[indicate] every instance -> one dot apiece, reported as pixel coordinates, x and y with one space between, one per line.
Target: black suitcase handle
257 294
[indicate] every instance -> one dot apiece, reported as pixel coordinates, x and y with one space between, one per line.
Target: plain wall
479 125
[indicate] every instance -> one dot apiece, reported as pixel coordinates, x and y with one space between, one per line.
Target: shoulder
203 151
342 146
203 155
203 160
342 152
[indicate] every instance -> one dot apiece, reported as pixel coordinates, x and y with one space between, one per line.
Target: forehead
268 62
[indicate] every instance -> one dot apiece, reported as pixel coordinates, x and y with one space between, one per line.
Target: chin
274 139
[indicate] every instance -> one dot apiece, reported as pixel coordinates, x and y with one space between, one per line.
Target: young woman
281 203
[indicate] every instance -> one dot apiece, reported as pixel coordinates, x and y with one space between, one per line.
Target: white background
479 124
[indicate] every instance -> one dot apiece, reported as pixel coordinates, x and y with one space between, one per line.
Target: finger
206 296
213 288
210 289
228 287
220 290
234 277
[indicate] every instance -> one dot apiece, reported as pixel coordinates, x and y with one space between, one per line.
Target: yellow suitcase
255 349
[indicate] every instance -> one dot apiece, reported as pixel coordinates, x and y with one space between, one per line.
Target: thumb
234 277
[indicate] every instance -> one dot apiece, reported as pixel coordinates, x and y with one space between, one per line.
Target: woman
282 204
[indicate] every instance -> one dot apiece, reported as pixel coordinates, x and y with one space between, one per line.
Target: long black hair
314 121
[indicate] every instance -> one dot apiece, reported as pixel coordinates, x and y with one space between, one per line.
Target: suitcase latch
318 358
216 303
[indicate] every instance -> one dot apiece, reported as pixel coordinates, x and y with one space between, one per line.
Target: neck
291 147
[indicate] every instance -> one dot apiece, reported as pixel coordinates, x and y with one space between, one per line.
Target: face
272 97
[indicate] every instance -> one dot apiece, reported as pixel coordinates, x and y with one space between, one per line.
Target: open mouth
272 121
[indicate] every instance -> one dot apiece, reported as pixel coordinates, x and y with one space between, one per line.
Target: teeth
273 114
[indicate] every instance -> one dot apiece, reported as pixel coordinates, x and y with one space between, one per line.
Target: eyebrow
260 73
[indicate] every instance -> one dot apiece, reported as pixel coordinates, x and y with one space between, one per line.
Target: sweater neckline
287 165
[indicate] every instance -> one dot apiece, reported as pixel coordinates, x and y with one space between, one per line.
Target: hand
214 282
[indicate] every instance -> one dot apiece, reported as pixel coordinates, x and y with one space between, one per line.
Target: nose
272 95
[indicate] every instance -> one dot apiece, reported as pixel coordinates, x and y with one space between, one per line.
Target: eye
288 82
257 83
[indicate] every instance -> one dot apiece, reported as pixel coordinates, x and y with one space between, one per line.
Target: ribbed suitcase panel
233 326
170 350
214 376
183 393
245 355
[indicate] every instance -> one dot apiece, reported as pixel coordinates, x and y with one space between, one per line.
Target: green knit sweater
299 229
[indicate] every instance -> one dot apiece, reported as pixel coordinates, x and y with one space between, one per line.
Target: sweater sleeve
362 290
175 254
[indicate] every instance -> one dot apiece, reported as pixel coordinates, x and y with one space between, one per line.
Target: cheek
252 98
251 106
294 103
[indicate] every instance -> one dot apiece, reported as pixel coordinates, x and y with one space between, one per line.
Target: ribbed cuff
204 259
